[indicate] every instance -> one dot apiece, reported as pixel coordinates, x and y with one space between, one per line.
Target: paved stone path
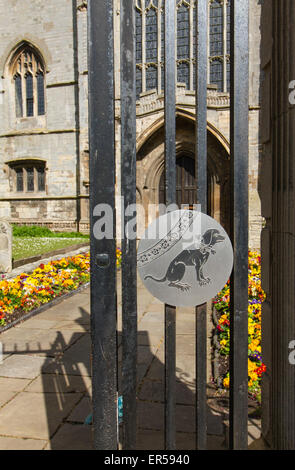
45 385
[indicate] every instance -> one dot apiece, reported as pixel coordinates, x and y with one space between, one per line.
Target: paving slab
11 443
35 415
6 396
81 411
185 345
72 437
59 383
13 384
154 391
37 323
75 361
22 366
72 325
43 342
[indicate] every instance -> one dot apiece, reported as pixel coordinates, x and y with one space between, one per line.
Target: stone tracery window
150 43
28 72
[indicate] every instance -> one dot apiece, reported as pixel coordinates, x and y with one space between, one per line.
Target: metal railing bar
128 192
170 191
103 252
201 172
239 111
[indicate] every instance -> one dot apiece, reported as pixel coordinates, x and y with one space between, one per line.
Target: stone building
43 122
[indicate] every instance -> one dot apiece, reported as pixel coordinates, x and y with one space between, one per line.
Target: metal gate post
103 251
128 191
239 112
170 192
201 172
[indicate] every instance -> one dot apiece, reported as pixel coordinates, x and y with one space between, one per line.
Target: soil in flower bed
218 400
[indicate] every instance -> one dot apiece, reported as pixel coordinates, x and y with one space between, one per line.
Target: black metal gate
102 192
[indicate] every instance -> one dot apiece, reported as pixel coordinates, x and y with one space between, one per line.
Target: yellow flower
226 382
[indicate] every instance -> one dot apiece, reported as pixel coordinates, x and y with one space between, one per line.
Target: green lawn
25 247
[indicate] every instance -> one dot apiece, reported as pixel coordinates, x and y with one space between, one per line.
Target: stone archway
150 167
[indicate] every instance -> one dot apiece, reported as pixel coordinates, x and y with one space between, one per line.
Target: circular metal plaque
184 258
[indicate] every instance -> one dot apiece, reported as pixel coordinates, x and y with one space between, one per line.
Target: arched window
28 71
150 43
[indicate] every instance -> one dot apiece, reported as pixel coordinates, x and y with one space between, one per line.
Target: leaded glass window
216 29
216 73
18 96
219 47
19 179
138 82
228 75
29 83
150 43
40 94
41 178
183 32
138 33
30 179
183 73
29 95
151 77
151 36
228 28
28 176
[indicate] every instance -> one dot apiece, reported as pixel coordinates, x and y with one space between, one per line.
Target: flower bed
29 291
256 297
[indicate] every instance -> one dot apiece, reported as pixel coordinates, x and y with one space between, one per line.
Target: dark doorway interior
186 187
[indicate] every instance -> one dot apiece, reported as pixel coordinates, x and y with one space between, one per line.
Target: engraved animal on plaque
192 256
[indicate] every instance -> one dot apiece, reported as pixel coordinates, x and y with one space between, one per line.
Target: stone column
277 191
